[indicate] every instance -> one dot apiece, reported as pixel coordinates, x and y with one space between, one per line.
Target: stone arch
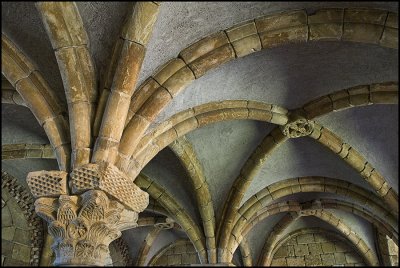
31 229
319 235
39 97
240 40
180 252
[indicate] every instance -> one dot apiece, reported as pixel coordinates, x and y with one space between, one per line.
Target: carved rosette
84 226
298 127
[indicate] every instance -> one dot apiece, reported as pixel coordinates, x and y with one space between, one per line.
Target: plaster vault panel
288 75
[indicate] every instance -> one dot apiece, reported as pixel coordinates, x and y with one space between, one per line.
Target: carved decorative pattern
84 226
298 128
110 179
25 201
168 224
47 183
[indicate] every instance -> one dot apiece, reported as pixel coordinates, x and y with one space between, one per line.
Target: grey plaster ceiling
288 76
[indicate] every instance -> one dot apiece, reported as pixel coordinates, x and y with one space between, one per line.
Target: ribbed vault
261 133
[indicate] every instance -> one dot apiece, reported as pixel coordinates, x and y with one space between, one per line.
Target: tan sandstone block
318 107
305 239
204 46
63 21
325 31
327 259
179 81
283 36
281 21
392 20
330 140
139 26
247 45
365 15
329 15
295 261
355 159
313 260
279 262
301 250
260 115
365 33
384 97
390 38
141 95
169 69
158 100
211 60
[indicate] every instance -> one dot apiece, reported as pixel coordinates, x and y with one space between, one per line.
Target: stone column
103 202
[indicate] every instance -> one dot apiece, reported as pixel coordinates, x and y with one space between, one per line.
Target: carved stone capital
47 183
297 127
84 226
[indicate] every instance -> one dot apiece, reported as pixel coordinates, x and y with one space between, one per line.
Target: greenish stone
23 237
6 219
21 253
7 233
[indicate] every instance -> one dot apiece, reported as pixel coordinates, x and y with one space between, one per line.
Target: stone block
313 260
305 239
204 46
315 248
320 237
327 259
325 31
283 36
390 38
21 253
328 247
7 233
168 69
140 23
355 160
351 258
295 261
6 218
329 15
6 247
247 45
281 21
340 258
301 250
129 64
284 251
179 81
157 101
365 15
279 262
318 107
23 237
392 20
212 59
365 33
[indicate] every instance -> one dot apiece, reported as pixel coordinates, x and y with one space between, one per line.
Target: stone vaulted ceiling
253 126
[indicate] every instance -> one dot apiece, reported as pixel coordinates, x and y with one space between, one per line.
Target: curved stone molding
26 202
70 42
178 213
349 24
187 156
83 226
379 93
39 97
135 34
147 243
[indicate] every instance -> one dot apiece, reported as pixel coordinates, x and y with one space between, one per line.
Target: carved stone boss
105 202
297 127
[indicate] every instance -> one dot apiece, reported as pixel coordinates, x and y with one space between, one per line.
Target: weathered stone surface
63 22
204 46
364 15
139 25
325 31
295 261
301 250
390 38
179 81
297 127
283 36
281 21
366 33
313 260
327 259
212 59
329 15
